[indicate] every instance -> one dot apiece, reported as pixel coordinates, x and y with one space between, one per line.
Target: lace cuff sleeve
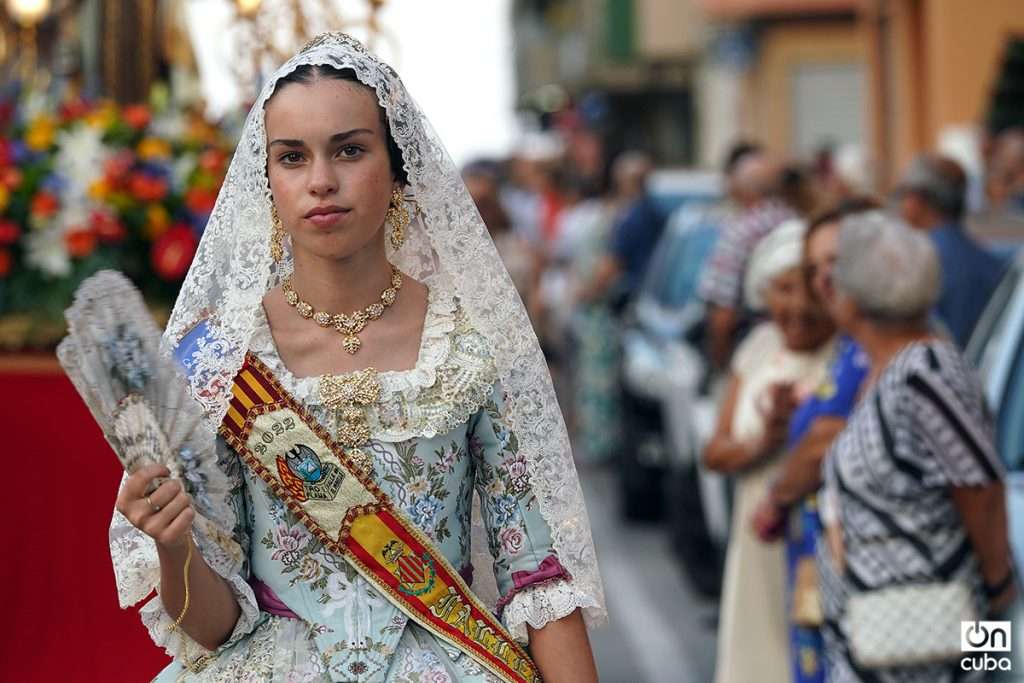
177 643
542 603
137 568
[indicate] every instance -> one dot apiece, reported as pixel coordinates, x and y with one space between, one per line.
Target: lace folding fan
137 393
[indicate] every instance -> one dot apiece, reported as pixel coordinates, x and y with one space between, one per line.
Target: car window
993 322
681 283
1011 413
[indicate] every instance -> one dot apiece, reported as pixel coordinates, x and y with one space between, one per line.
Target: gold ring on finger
156 508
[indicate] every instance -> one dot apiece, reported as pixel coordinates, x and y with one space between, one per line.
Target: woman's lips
328 219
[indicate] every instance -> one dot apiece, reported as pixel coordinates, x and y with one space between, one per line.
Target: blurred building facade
893 77
629 67
685 78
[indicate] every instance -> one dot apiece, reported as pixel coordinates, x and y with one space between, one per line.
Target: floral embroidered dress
438 434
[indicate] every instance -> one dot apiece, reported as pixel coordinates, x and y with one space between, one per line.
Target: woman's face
328 165
822 252
804 324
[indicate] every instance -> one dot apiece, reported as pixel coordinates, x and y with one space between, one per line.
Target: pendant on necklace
351 343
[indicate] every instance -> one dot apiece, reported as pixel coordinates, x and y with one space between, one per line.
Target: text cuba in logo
985 638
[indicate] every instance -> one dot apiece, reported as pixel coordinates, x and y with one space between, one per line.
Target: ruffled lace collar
435 344
452 379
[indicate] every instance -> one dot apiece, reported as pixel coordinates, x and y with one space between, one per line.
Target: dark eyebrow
337 137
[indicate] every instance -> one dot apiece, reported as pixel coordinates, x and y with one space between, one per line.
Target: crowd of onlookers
868 514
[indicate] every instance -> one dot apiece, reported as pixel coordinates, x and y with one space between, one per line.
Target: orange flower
157 221
44 205
99 189
5 197
5 262
137 116
40 133
80 243
153 148
11 177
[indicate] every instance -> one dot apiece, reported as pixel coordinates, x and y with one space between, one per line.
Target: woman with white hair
914 509
780 363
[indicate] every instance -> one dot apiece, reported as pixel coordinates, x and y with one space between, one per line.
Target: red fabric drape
61 617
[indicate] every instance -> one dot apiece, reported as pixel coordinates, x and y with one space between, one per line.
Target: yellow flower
154 148
40 133
5 197
103 116
157 221
99 189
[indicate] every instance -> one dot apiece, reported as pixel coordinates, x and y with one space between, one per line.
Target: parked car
997 350
668 414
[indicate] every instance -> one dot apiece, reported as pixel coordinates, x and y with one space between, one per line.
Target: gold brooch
349 396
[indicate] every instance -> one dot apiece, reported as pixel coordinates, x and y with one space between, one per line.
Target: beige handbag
908 625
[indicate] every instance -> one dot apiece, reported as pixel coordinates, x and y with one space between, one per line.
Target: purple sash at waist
268 601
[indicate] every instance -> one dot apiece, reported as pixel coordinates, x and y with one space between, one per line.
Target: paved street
659 631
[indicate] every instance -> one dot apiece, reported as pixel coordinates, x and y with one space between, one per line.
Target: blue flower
54 183
505 509
424 513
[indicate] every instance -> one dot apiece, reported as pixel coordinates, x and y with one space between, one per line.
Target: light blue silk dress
439 434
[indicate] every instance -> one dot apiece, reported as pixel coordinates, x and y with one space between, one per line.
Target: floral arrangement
86 186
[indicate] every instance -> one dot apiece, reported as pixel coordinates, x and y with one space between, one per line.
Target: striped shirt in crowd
722 280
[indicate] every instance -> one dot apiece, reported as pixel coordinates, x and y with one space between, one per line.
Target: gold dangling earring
276 236
398 217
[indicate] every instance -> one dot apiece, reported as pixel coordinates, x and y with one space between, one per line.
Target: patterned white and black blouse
922 430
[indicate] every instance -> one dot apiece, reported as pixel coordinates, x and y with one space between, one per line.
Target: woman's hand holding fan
141 401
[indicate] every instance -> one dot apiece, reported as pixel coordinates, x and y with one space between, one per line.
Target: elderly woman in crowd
914 502
779 363
815 423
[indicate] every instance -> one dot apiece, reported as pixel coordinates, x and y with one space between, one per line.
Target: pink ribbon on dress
268 601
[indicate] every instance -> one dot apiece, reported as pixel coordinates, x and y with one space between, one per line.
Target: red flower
137 116
74 109
6 153
172 253
44 205
147 188
200 200
6 261
212 160
107 228
80 243
117 166
9 232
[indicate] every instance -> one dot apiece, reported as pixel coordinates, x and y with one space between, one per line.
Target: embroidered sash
331 491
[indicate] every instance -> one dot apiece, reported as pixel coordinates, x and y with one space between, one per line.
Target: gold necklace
348 325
